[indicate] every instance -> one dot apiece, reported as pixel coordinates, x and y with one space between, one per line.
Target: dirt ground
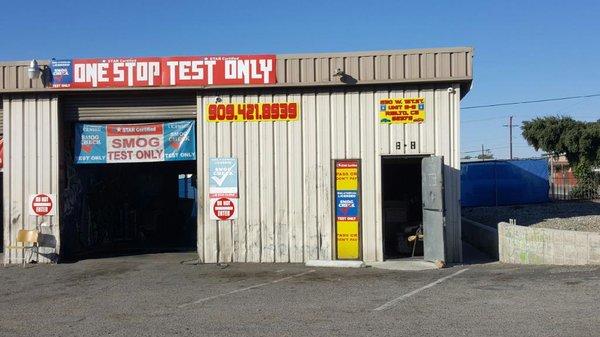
568 215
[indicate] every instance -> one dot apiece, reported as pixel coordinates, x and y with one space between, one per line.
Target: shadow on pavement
472 255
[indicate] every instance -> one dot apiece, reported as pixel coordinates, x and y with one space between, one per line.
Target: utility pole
482 154
510 126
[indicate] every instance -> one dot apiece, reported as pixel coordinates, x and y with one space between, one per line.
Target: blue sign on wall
346 203
223 177
62 73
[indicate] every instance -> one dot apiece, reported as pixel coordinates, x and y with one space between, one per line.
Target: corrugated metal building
286 176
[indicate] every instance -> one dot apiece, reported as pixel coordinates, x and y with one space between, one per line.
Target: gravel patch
567 215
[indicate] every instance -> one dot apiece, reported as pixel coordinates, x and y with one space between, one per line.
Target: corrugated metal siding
30 166
377 67
370 67
285 201
123 106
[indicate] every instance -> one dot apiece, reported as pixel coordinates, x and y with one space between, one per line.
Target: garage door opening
111 209
402 207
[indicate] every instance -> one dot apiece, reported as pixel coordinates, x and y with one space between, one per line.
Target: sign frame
105 143
334 206
401 105
251 112
163 72
217 192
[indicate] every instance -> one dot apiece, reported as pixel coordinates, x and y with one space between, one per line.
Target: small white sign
42 204
223 208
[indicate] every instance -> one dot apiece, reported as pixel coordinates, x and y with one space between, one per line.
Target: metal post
482 154
510 127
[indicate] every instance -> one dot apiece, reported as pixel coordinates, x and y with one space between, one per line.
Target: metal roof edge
380 52
458 80
319 54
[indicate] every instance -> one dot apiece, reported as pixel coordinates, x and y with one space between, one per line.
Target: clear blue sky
523 49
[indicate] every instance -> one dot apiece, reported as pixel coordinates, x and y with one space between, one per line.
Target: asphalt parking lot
156 295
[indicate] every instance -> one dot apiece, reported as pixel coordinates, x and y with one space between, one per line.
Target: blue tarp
504 182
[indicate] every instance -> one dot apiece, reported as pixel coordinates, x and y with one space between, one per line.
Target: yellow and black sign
401 110
347 209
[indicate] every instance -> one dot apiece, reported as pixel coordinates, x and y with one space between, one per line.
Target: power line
480 120
529 102
497 148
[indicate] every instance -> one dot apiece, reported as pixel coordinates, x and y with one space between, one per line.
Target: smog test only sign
347 209
223 188
135 143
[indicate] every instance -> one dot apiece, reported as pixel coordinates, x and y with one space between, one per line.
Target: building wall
31 156
285 168
285 206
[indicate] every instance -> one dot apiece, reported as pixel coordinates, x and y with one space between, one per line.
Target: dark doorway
402 207
127 208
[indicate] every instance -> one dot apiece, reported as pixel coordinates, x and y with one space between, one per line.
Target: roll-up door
129 106
1 118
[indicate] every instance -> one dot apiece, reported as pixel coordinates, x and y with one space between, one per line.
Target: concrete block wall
526 245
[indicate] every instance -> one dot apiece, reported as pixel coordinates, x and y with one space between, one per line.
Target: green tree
579 141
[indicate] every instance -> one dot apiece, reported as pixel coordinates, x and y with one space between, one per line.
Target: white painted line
335 263
244 289
405 296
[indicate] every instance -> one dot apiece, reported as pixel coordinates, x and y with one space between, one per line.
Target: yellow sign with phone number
252 112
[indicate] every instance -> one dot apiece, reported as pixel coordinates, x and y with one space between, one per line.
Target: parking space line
407 295
247 288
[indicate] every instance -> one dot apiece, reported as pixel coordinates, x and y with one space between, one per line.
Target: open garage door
129 188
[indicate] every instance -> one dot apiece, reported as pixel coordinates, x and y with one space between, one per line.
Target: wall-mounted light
218 100
339 72
34 70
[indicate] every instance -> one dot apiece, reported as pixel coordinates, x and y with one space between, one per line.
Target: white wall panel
267 192
225 229
238 150
211 231
30 166
309 165
324 193
368 155
281 188
253 196
296 214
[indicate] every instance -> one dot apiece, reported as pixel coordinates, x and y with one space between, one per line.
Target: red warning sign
42 204
224 209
